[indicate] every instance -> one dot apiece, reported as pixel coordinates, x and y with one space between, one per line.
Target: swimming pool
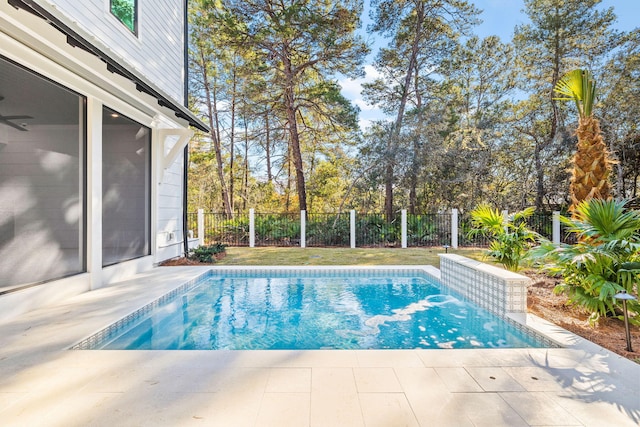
312 309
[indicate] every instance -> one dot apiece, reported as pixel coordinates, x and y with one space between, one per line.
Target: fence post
454 228
252 228
403 227
201 227
505 215
556 228
303 229
352 226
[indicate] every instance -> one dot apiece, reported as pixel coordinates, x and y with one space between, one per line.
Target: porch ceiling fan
7 120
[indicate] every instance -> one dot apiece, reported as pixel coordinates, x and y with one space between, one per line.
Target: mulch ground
608 332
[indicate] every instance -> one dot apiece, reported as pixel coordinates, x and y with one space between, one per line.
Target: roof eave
79 38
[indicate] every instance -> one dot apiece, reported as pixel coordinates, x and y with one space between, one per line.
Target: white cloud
352 88
365 124
363 105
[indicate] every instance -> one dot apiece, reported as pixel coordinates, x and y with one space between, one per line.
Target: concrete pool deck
42 383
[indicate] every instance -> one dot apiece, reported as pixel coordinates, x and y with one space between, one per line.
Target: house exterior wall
157 54
169 220
156 51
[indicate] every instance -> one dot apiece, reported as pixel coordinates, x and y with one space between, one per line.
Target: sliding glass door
42 179
126 199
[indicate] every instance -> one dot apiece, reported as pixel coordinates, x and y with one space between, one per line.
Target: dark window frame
134 23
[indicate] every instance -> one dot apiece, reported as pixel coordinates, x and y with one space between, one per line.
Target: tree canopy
468 119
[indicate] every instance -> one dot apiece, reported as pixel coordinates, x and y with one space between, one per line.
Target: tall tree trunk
268 148
413 177
539 176
397 127
232 139
212 112
294 137
388 192
245 181
287 203
554 121
620 190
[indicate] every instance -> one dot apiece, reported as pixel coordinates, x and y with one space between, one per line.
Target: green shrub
206 253
603 262
510 236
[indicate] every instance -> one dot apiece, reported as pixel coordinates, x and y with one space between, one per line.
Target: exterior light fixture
624 296
446 248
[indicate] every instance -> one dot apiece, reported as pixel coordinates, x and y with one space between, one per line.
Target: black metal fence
429 229
542 223
333 230
277 229
219 228
464 236
328 229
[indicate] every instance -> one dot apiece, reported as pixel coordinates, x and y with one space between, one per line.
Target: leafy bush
604 261
206 253
510 236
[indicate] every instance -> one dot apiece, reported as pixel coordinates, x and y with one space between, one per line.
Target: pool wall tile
492 288
98 339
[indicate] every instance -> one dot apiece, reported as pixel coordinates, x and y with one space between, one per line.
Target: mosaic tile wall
492 288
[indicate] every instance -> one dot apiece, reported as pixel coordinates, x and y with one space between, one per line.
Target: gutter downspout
185 179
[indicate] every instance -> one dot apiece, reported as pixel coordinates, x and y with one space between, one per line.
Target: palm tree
591 163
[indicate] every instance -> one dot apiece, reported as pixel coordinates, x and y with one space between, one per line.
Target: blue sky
499 18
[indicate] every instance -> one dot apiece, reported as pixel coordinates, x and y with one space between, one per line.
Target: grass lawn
340 256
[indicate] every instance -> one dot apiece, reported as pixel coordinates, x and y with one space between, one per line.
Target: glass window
126 190
127 12
42 179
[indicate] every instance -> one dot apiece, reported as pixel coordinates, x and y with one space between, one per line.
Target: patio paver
44 384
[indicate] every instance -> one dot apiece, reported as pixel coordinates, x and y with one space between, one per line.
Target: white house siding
30 42
158 49
169 210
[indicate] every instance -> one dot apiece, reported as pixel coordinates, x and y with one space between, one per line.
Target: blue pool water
358 312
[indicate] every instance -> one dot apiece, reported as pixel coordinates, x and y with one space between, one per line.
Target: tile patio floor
43 384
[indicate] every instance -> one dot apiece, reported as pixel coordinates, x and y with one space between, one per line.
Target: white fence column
303 229
252 228
556 228
505 215
353 229
403 228
454 228
201 227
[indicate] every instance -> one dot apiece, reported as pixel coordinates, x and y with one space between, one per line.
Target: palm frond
578 86
487 219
